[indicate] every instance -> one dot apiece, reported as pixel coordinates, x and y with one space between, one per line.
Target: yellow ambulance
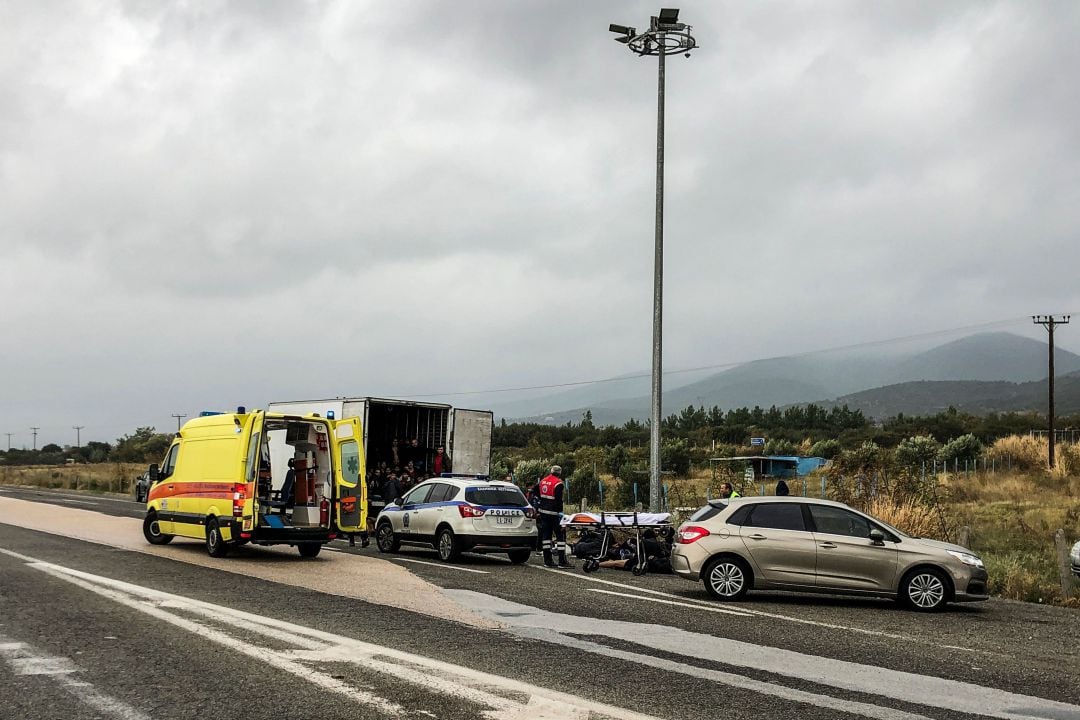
256 477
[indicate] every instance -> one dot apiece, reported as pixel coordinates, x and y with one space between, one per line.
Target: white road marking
762 613
445 566
670 602
71 501
505 698
50 493
25 660
924 690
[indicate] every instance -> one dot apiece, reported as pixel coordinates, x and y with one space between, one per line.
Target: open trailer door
350 490
470 441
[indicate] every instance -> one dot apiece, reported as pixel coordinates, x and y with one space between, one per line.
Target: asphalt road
90 630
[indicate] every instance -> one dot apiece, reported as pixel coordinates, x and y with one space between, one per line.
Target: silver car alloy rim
727 579
926 590
445 545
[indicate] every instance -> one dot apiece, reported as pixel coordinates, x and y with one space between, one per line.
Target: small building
775 466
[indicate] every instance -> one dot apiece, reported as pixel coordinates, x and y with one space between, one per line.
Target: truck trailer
466 434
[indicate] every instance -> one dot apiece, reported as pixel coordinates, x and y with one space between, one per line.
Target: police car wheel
215 545
384 538
152 532
519 557
447 545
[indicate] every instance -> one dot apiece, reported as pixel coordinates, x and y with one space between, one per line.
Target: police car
456 514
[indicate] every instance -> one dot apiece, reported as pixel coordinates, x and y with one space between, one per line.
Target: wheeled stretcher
628 524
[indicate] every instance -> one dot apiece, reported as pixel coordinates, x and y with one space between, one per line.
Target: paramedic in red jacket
551 505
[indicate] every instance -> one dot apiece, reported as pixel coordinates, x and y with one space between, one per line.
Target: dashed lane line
24 659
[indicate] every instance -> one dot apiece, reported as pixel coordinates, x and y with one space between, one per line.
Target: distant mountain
927 397
991 357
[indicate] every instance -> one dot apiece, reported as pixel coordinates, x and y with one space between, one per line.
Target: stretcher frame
636 526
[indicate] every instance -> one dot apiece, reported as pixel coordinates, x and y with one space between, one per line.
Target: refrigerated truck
466 434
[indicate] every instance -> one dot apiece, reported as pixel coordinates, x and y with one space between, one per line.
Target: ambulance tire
152 533
447 545
385 538
215 546
309 550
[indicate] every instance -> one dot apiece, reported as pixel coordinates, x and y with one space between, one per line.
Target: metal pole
658 298
1050 327
34 429
78 436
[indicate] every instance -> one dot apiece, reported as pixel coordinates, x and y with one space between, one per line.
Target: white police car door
411 506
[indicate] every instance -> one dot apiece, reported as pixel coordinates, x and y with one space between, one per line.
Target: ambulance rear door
350 490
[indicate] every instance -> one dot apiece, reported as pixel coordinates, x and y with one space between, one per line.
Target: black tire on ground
385 538
152 532
447 545
519 557
727 578
924 590
309 550
215 545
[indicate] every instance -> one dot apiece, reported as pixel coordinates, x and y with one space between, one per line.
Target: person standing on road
551 505
782 488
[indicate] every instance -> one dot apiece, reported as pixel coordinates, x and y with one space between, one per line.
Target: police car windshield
495 496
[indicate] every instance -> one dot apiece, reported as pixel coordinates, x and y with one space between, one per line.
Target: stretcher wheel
638 570
590 566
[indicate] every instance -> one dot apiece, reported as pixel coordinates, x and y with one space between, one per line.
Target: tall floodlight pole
1048 322
665 36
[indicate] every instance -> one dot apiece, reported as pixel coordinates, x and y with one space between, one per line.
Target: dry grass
912 516
104 477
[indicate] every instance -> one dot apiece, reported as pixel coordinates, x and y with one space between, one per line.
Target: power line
729 365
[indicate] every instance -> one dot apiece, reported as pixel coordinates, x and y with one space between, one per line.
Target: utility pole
1049 322
78 437
9 440
665 36
178 419
34 429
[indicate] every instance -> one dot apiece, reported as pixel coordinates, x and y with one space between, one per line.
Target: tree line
144 445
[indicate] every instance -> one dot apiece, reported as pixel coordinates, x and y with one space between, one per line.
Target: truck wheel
309 550
385 538
447 545
152 532
214 544
519 557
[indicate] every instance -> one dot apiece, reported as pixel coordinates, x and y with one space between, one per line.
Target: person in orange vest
551 505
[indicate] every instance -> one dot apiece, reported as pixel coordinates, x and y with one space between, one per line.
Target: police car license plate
504 520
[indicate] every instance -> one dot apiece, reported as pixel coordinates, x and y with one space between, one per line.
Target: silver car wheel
446 546
727 579
926 591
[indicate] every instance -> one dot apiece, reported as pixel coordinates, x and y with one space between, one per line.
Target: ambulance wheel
309 550
215 545
152 532
519 557
385 538
447 545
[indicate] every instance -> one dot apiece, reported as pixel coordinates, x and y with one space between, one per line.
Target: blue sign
757 441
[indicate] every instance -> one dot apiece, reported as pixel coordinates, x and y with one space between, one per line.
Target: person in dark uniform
551 505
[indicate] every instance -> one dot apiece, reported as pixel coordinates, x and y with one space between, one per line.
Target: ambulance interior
303 499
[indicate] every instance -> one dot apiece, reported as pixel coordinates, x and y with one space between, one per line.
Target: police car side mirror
153 473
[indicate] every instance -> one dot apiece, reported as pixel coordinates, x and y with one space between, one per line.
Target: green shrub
964 448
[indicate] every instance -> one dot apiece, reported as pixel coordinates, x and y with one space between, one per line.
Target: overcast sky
211 204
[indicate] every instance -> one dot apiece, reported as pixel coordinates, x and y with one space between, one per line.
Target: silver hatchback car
806 545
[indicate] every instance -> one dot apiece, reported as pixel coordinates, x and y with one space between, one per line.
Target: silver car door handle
757 536
828 545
